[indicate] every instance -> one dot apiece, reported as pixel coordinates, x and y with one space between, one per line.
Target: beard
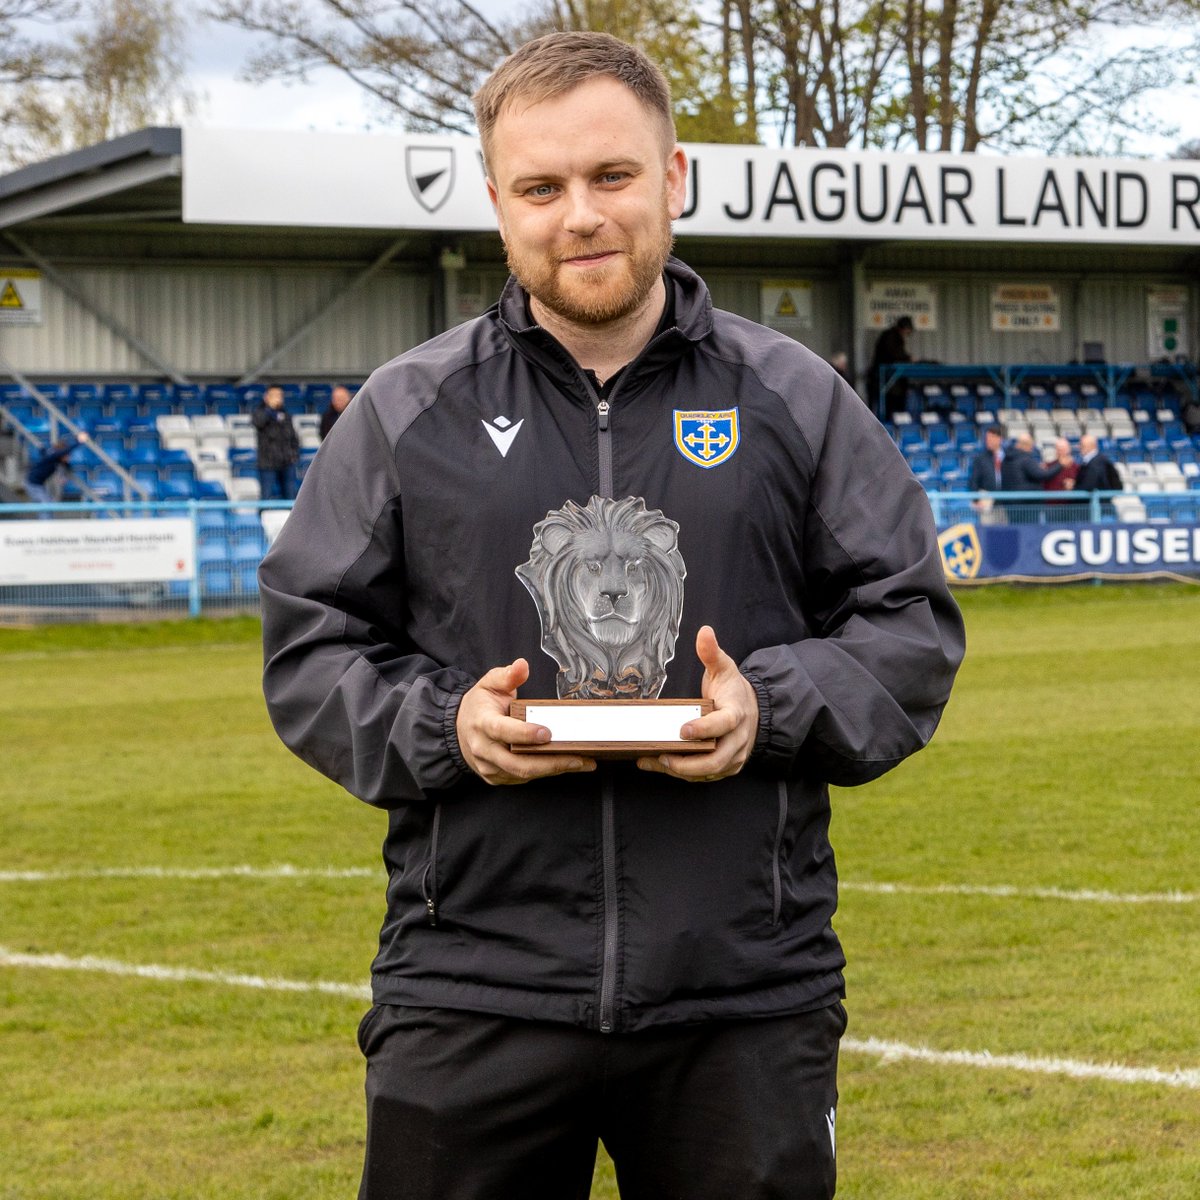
615 292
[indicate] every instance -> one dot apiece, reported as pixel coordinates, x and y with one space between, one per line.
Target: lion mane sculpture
607 579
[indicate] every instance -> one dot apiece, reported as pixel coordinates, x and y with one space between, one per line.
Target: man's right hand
485 732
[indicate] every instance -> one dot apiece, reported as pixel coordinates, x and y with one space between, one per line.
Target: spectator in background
338 399
1024 472
42 469
840 362
891 347
987 475
278 447
1096 471
1064 481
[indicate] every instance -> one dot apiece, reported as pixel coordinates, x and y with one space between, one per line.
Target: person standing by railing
278 447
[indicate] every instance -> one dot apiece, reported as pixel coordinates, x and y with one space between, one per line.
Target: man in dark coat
1096 471
892 347
278 447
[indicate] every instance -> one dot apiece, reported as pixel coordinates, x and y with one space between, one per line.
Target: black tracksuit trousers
470 1106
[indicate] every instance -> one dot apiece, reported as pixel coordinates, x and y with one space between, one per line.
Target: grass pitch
1025 887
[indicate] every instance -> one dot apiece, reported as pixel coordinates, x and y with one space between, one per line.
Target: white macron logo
500 432
831 1122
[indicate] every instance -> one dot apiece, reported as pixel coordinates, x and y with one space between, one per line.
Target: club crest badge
707 438
962 555
430 172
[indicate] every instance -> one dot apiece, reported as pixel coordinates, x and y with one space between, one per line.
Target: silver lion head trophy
607 579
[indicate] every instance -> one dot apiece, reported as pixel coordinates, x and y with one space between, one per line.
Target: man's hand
733 720
485 732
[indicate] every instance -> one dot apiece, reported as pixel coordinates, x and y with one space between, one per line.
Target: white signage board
1026 308
1166 314
426 181
887 302
124 550
20 297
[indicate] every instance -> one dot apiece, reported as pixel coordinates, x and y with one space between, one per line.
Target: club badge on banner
973 553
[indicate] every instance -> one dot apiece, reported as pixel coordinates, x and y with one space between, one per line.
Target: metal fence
77 562
81 562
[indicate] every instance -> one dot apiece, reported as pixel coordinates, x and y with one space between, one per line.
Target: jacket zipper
429 879
608 976
608 825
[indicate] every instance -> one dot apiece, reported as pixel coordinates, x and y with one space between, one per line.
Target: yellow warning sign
786 305
20 296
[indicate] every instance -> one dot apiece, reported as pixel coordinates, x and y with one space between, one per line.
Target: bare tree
924 74
421 62
956 74
65 84
31 57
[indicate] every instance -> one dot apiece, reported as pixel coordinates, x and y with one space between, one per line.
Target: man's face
274 397
339 398
992 441
585 191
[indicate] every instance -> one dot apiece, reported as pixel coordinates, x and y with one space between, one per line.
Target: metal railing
213 565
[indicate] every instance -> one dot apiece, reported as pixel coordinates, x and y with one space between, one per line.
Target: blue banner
1034 551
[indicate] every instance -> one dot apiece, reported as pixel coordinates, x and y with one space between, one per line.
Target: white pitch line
237 872
888 1051
109 966
286 871
1006 892
1180 1077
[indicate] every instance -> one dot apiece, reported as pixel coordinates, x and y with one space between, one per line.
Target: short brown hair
557 63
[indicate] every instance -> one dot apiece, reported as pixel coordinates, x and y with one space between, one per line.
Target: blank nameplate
612 728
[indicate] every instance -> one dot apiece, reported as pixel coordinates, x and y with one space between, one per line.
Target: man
1025 472
890 347
1096 474
278 447
1064 481
46 465
1096 470
338 399
639 952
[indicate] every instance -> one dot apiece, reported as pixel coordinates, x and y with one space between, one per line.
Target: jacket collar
693 322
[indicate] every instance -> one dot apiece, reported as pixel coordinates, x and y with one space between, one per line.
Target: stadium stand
175 443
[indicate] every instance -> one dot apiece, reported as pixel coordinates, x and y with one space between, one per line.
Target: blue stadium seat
211 522
175 489
216 579
250 394
155 399
213 548
246 579
316 396
209 489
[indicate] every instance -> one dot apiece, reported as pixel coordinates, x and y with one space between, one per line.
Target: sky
217 55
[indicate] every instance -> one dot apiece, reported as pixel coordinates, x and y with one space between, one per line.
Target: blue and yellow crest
962 556
707 438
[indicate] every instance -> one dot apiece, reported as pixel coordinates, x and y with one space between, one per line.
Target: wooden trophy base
613 728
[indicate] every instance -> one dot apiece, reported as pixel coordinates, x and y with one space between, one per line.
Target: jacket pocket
776 867
429 879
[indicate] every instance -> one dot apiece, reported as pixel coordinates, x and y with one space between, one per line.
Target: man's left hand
733 720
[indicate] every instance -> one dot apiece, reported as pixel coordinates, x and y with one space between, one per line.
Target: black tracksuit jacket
616 900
